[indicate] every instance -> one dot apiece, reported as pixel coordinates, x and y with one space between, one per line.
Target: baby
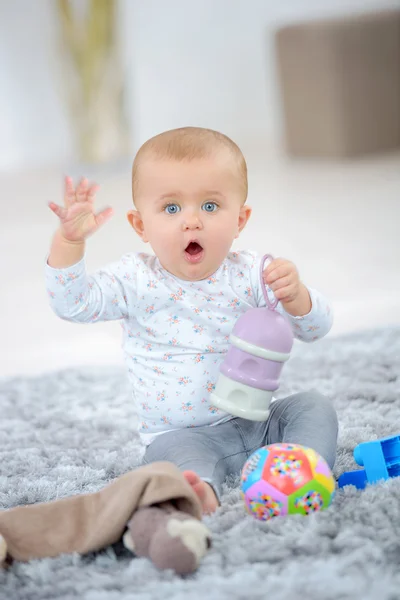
178 306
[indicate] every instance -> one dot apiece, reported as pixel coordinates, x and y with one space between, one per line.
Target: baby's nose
192 222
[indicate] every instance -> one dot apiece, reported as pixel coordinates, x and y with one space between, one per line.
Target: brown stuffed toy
152 509
171 538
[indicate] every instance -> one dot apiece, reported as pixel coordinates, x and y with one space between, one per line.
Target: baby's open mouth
193 248
194 252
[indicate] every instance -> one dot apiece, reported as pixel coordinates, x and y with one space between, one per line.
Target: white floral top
175 332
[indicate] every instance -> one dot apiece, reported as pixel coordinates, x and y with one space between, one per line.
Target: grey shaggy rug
71 432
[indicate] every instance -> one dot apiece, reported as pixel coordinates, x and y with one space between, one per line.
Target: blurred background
309 90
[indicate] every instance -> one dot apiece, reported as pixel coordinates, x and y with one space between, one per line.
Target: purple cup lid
265 327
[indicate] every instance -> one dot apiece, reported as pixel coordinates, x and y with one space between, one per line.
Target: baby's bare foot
203 490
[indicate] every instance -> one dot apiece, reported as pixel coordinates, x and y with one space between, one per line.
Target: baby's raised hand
78 219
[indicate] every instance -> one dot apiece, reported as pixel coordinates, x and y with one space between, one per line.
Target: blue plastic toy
380 459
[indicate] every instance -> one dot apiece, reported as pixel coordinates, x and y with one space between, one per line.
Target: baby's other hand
283 279
78 219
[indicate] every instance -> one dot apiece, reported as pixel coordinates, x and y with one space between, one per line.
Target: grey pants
214 453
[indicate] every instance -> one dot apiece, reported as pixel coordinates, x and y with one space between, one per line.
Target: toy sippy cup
261 341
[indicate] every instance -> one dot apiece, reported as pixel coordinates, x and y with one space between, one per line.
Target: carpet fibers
71 432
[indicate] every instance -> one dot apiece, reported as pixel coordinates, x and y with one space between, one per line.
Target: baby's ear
135 219
244 216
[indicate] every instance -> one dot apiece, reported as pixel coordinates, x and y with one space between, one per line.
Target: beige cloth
89 522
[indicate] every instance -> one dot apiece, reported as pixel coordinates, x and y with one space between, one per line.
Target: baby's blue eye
210 206
172 209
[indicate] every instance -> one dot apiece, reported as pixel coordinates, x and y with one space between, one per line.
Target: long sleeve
109 294
307 328
314 325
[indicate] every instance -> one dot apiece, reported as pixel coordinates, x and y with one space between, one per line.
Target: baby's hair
189 143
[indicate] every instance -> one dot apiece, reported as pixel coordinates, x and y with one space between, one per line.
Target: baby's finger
69 192
58 210
276 262
271 275
286 294
81 190
92 191
104 216
282 282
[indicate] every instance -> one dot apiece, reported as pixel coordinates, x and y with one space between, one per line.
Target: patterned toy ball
286 479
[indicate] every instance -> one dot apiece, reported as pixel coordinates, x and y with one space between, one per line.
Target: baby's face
190 212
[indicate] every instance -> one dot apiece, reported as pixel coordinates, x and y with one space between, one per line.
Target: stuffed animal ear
180 544
171 538
3 550
128 541
193 534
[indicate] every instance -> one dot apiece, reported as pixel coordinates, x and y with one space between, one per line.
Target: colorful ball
286 479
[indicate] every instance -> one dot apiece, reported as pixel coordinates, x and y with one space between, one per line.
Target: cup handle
269 304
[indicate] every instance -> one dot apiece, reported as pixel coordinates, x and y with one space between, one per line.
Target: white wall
207 63
33 126
211 63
